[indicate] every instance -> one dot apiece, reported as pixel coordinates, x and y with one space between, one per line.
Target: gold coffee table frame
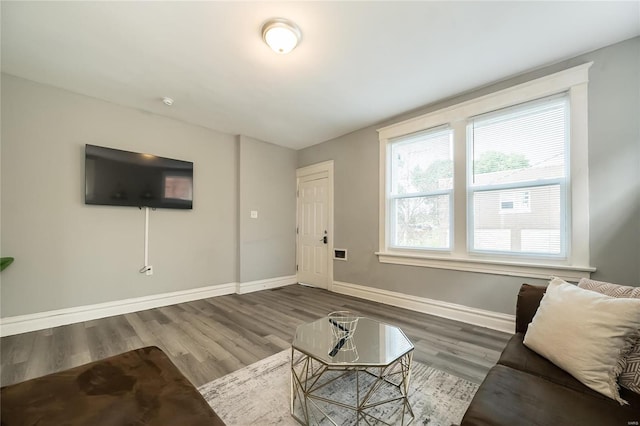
380 360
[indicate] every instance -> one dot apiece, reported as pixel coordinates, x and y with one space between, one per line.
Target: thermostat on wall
340 254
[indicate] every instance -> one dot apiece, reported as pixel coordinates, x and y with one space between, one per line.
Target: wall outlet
149 270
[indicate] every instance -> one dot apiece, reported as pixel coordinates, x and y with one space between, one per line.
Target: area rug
259 394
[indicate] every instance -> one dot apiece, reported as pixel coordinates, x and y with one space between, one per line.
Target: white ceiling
358 62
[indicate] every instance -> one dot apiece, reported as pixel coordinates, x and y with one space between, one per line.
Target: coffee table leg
406 379
298 387
305 371
397 374
305 379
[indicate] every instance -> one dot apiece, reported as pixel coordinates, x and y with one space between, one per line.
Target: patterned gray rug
259 394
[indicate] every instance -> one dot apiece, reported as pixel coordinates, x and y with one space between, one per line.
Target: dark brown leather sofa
526 389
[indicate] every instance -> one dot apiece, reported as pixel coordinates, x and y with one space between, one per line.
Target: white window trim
574 81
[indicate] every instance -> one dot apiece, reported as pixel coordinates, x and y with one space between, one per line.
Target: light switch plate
254 214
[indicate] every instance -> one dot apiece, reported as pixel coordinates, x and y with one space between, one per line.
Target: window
420 191
497 184
518 156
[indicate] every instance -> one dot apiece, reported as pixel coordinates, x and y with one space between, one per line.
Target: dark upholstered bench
140 387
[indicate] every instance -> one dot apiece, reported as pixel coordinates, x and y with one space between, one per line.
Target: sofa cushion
516 355
585 333
630 376
527 304
519 357
510 397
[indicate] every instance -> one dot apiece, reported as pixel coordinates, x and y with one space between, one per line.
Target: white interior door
313 245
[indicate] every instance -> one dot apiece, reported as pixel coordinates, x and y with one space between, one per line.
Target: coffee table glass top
372 343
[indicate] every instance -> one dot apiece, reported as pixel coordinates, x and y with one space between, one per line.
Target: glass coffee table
356 381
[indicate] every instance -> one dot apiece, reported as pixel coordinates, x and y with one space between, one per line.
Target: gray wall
614 174
268 186
70 254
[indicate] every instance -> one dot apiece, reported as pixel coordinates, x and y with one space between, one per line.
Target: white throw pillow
585 333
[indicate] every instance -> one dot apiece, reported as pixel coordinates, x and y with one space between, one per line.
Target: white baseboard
479 317
41 320
267 284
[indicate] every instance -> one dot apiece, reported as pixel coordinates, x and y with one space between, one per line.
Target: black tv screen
122 178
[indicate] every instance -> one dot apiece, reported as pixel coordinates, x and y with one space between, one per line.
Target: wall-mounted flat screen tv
122 178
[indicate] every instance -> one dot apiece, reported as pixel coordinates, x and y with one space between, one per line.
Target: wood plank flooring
209 338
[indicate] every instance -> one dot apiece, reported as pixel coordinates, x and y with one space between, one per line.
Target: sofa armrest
528 301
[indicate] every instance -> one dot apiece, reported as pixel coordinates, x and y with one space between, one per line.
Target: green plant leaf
4 262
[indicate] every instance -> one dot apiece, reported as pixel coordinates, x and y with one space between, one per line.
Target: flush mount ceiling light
281 35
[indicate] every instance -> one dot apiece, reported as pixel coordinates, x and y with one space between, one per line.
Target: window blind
517 178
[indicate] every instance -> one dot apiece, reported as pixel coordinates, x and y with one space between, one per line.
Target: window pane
519 144
523 220
422 222
422 163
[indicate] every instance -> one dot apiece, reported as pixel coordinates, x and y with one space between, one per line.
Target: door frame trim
325 167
